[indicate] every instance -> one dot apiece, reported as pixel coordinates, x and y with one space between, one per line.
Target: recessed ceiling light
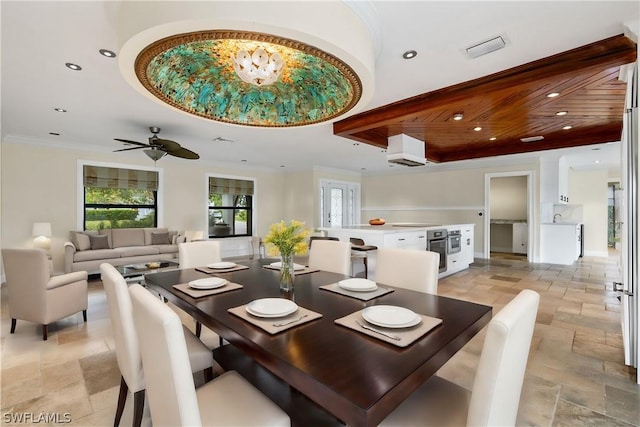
596 161
244 160
60 110
410 54
107 53
567 127
355 144
74 67
493 138
363 169
458 116
553 94
596 149
561 113
477 128
54 133
281 166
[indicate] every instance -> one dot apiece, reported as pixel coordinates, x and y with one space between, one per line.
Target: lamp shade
41 229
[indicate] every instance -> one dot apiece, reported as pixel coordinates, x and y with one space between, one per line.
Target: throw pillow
82 242
160 239
99 242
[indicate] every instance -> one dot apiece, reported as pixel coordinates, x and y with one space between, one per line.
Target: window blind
105 177
230 186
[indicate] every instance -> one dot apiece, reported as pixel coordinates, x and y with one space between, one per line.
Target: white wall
509 198
39 184
434 196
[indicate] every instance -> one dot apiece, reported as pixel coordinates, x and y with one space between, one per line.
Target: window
119 198
230 207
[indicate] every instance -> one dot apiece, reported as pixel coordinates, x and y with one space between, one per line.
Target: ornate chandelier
258 68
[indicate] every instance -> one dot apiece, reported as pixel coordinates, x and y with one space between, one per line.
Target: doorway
509 214
339 203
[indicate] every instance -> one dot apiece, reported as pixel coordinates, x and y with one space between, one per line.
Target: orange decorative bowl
376 221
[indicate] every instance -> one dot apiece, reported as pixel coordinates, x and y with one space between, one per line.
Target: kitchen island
456 248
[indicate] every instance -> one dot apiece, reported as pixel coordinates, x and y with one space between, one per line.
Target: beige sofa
86 250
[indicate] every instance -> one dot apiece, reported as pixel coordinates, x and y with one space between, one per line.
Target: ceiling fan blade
126 141
128 149
167 144
183 153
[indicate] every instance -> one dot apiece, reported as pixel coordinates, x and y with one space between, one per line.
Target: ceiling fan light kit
157 148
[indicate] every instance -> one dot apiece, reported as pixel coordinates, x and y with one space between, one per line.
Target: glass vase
287 274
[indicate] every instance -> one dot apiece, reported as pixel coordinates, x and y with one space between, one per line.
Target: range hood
405 150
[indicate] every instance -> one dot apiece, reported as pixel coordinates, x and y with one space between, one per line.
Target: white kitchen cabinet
407 240
520 237
467 239
560 243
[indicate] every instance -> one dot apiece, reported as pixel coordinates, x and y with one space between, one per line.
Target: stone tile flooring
575 375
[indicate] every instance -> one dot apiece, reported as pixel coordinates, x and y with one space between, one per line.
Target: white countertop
391 227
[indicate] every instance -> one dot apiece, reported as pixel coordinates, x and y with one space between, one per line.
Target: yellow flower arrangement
286 239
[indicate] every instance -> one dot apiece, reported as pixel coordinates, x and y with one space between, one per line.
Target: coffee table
138 270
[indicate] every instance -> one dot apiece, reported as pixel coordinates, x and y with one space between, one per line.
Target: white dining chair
330 255
408 268
128 349
228 400
198 253
495 396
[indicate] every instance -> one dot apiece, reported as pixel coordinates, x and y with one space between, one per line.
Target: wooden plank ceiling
511 105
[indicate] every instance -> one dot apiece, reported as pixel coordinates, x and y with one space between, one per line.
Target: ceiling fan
157 148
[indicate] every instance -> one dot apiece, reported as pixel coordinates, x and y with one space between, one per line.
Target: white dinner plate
389 316
208 283
222 265
358 284
296 267
271 307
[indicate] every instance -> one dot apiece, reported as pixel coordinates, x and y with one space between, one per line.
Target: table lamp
41 231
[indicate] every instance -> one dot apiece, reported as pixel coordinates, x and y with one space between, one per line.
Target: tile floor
575 375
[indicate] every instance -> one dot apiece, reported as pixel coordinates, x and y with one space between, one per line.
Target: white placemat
364 296
406 336
274 325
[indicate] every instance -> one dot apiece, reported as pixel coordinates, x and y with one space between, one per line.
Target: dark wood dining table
356 378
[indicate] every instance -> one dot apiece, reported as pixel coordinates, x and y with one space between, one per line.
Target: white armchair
37 296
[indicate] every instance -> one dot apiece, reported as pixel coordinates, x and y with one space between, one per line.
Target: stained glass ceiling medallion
195 73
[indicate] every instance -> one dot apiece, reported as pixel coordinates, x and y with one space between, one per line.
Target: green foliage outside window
132 208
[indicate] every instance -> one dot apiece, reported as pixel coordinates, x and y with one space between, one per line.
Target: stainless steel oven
437 242
454 238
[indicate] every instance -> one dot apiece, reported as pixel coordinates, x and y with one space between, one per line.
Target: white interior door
629 231
335 204
339 203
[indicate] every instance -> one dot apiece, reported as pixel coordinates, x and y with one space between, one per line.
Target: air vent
405 159
485 47
532 138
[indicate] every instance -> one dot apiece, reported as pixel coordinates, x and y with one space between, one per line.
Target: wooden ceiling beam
608 53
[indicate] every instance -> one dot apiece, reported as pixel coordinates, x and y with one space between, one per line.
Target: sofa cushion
82 242
167 249
106 232
93 255
98 242
129 251
158 238
124 237
148 232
